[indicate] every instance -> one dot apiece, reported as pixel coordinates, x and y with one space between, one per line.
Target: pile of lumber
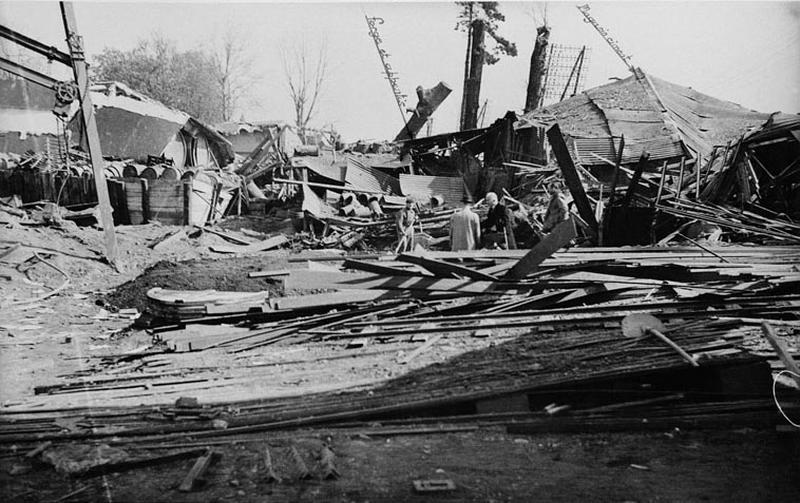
541 350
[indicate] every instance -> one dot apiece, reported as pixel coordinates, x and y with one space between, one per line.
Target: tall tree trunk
537 70
472 85
465 90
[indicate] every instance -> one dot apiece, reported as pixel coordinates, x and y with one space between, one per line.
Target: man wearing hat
557 209
405 220
465 227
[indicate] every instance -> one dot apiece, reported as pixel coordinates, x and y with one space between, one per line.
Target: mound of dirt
229 274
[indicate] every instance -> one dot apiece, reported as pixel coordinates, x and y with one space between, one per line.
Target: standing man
465 228
498 223
405 220
557 210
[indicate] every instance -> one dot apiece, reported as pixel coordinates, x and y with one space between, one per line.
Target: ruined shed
134 126
667 120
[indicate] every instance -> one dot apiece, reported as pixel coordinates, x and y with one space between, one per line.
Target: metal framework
566 67
391 75
65 93
603 33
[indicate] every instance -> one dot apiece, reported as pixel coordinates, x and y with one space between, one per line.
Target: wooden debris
38 450
434 485
300 466
443 269
269 471
167 240
424 347
558 238
782 351
200 467
327 464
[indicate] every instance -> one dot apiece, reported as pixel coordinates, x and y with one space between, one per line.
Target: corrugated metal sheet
313 204
451 188
659 148
322 166
778 124
363 177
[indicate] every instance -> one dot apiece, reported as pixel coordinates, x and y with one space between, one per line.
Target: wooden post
698 165
680 177
615 177
145 200
658 199
75 44
637 175
661 182
571 176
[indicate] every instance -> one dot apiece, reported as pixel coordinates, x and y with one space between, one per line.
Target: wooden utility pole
467 59
538 68
78 60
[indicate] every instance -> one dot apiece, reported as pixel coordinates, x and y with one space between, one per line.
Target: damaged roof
689 122
26 108
133 125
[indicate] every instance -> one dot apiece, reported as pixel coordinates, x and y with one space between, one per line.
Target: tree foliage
487 13
186 80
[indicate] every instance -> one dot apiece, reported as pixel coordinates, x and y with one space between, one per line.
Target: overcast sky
745 52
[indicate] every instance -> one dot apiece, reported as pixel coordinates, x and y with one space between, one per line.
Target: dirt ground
43 340
486 466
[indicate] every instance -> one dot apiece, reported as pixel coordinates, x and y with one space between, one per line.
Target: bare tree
233 70
305 77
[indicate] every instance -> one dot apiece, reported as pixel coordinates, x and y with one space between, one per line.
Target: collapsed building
558 336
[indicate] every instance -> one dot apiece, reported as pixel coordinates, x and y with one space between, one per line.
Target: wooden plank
130 464
268 274
424 347
376 268
571 176
782 351
558 238
225 235
260 246
443 269
198 470
167 239
304 279
331 299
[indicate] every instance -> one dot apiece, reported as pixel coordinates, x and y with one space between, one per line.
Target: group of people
467 232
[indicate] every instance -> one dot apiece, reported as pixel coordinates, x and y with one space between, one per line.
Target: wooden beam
782 351
429 101
198 470
443 269
637 175
377 268
79 69
424 347
328 186
571 175
558 238
304 279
